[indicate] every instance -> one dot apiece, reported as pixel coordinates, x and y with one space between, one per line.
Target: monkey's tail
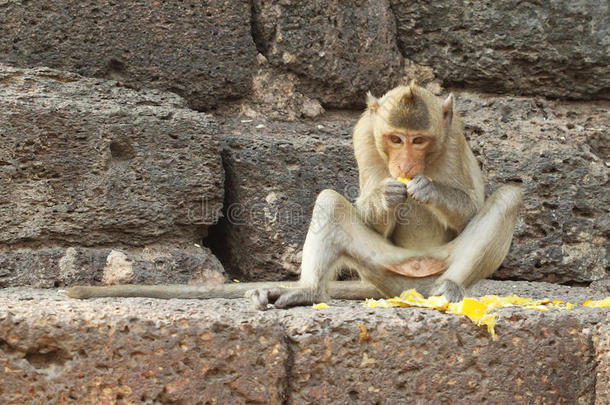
337 289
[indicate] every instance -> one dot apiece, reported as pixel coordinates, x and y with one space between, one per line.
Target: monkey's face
409 124
406 151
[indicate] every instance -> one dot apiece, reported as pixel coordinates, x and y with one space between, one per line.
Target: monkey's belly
419 229
418 267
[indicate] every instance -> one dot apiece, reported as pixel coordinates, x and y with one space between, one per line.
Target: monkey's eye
418 140
395 139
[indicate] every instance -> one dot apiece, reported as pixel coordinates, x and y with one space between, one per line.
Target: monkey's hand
393 193
422 190
265 298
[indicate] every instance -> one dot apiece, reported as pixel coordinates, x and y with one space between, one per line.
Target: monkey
436 233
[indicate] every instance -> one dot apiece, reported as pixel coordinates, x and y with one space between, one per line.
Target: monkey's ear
448 111
371 102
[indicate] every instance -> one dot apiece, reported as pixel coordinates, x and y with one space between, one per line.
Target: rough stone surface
58 267
274 171
274 96
54 349
201 50
551 48
87 163
338 50
558 153
601 340
381 356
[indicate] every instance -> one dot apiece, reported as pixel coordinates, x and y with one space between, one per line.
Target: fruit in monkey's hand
403 180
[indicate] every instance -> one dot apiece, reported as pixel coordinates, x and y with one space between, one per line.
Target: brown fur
411 113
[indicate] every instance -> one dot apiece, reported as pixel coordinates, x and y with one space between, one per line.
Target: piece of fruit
605 303
403 180
478 310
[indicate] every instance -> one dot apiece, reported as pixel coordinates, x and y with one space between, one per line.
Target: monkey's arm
453 206
349 290
375 212
378 197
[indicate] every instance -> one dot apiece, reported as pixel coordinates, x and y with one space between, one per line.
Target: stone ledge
54 349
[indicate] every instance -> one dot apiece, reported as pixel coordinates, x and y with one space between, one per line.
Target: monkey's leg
337 233
480 249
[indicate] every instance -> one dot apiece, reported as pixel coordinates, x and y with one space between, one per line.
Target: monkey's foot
418 267
265 298
450 290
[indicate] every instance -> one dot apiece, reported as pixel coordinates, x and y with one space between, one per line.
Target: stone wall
164 129
557 49
90 167
206 51
202 51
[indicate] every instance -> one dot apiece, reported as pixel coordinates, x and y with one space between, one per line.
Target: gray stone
202 51
338 50
536 290
55 349
60 267
274 96
551 48
601 341
557 152
87 163
274 171
421 356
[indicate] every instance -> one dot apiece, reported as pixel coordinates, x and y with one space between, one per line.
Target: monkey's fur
395 233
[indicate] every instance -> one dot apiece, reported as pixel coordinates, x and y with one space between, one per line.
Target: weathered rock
555 152
601 285
555 49
601 341
338 50
202 51
274 96
139 351
54 349
87 163
381 356
274 171
57 267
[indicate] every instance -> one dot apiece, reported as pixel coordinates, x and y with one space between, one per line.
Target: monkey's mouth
408 172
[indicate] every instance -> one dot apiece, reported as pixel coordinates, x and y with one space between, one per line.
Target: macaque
435 232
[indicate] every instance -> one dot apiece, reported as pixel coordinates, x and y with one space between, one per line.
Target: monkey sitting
437 233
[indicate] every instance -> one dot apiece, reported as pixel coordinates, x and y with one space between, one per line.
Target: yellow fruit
597 304
403 180
478 310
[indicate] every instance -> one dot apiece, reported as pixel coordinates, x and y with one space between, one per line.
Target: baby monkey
436 232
